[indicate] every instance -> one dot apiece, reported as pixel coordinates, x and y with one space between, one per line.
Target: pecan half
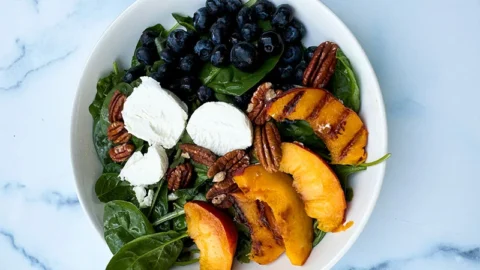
267 145
121 152
180 176
219 193
257 109
229 163
117 133
199 154
322 66
115 107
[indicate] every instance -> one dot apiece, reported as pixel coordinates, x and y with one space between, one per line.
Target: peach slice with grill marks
340 128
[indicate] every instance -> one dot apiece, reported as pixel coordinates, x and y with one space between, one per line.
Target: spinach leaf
301 131
112 168
180 223
250 3
244 243
231 81
317 233
225 98
158 29
122 223
160 206
185 263
104 85
169 216
156 251
344 84
139 143
185 21
109 187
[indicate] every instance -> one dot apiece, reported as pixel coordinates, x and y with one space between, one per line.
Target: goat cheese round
148 169
154 114
220 127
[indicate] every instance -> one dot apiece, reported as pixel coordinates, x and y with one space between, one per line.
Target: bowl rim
376 90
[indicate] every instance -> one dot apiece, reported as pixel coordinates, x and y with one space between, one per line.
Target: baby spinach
112 168
156 251
185 263
104 85
231 81
109 187
344 84
317 233
122 223
301 131
250 3
160 206
244 243
159 30
185 21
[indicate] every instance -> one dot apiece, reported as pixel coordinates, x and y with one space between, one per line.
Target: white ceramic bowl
118 43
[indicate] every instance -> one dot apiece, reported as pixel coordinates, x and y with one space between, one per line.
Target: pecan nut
219 193
257 108
229 163
121 152
267 145
117 133
180 176
322 66
199 154
115 107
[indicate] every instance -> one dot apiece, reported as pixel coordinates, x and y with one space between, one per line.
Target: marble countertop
426 55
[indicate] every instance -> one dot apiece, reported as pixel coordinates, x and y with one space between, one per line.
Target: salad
227 139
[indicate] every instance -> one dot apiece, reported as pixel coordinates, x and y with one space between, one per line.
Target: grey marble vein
34 261
60 200
471 255
20 57
29 72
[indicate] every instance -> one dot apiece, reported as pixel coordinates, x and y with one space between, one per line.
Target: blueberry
228 21
309 52
216 7
264 9
291 34
292 54
300 26
205 93
250 32
146 56
285 87
270 43
244 56
203 49
188 63
134 73
188 86
285 73
168 56
245 15
242 101
219 33
163 75
220 56
179 41
283 16
148 38
299 70
235 38
233 6
173 85
201 20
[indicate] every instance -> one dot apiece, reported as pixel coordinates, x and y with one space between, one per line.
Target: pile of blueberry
227 32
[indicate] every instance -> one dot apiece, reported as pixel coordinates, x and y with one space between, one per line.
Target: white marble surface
426 55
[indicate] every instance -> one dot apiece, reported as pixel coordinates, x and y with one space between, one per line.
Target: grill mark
351 143
318 108
240 216
263 217
292 104
340 125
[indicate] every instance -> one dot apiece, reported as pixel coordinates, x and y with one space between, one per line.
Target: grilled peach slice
266 247
275 189
340 128
317 185
214 233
